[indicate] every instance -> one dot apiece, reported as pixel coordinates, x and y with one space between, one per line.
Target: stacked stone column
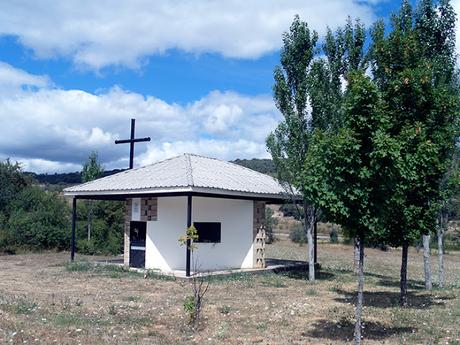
259 234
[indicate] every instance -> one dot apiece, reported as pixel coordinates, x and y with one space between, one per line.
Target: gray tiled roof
185 173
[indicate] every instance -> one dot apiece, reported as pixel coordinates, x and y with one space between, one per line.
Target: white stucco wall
164 252
162 248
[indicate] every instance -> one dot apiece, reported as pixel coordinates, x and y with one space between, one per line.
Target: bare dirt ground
43 301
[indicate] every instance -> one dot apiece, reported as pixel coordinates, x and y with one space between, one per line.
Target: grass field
45 301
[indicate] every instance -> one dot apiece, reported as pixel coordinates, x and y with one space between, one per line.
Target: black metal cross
131 142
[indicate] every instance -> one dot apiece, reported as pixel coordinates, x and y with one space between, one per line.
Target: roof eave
177 191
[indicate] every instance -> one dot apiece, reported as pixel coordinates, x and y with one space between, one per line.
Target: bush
334 236
297 234
290 210
270 222
12 182
39 220
86 247
106 228
79 266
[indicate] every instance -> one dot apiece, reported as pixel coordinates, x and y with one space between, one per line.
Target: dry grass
42 302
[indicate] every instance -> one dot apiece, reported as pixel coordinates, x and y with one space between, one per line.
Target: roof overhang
178 191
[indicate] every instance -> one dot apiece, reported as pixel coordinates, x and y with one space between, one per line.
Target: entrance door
137 244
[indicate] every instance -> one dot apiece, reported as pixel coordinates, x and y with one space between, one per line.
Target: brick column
149 209
259 234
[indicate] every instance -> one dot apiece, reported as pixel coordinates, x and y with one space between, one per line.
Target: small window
208 232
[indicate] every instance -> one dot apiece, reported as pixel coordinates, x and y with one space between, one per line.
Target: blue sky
196 75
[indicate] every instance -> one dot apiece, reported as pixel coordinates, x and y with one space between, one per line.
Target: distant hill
65 178
264 166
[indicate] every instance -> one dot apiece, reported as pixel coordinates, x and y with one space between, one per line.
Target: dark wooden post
131 144
74 219
189 224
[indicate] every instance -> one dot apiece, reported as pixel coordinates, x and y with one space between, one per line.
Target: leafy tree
344 170
343 53
308 92
12 182
270 223
288 144
107 230
39 220
420 92
92 170
449 187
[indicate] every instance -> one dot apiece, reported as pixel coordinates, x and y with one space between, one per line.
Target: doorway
137 236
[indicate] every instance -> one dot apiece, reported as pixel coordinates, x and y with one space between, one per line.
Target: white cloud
13 80
51 129
95 34
220 148
45 166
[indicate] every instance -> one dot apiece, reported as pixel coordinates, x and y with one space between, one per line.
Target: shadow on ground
390 299
411 284
390 282
343 330
303 275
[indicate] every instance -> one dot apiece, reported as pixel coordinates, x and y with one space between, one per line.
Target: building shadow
343 330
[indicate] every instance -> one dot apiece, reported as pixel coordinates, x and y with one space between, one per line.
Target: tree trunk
356 258
309 223
441 227
403 282
426 262
90 218
359 303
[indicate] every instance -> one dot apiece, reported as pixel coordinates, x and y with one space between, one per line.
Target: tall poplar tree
92 170
288 144
309 93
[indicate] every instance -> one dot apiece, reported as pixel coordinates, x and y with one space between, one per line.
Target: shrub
290 210
270 222
297 234
225 309
79 266
334 236
12 182
86 247
39 220
106 229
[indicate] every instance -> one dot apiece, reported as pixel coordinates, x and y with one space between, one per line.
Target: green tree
308 91
107 229
449 188
344 171
12 182
39 220
418 85
92 170
288 144
270 223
